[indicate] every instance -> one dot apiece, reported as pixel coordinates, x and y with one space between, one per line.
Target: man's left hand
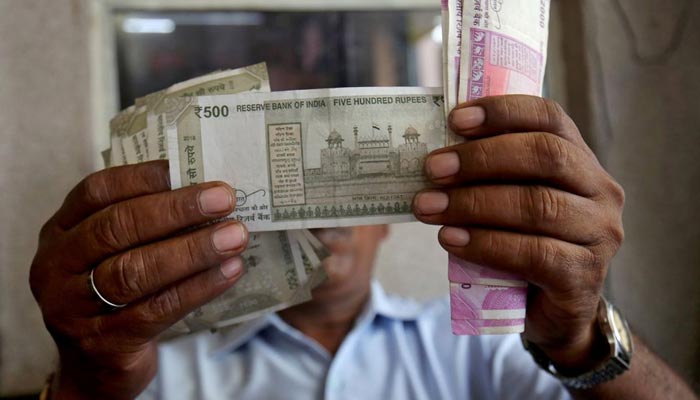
524 194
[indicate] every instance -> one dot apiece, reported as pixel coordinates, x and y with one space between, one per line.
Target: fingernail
457 237
215 200
231 268
230 237
442 165
429 203
467 118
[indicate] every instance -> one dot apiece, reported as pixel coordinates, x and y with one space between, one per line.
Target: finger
110 186
143 220
533 157
151 316
489 116
551 264
537 210
143 271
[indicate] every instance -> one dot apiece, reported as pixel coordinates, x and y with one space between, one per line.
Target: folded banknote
487 326
469 301
462 271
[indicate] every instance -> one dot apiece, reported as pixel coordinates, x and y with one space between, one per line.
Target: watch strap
617 363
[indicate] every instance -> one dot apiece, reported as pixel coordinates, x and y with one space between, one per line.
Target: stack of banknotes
297 160
490 48
281 267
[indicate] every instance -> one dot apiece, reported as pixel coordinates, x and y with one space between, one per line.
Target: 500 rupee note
311 158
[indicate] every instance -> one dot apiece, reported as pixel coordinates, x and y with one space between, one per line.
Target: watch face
621 330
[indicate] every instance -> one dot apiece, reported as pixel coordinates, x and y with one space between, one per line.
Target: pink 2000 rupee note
503 50
462 271
469 301
487 326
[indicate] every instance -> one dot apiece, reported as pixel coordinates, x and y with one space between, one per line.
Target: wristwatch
614 327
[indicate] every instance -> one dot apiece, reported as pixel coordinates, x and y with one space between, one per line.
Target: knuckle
48 230
547 260
589 267
542 254
105 232
194 254
124 220
93 190
617 193
68 333
64 334
129 276
180 206
37 277
469 202
594 265
508 107
86 342
552 155
616 232
590 259
123 225
163 305
553 113
540 205
493 245
481 154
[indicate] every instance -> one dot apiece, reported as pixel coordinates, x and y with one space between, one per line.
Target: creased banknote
462 271
312 260
162 105
272 281
310 158
487 326
313 252
471 301
138 132
276 264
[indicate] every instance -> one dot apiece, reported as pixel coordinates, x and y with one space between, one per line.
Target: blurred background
628 71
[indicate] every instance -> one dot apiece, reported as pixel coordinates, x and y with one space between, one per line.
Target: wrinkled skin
127 224
524 194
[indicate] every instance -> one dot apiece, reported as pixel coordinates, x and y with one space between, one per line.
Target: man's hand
126 224
524 194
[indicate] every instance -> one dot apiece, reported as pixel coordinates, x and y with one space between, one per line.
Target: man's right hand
127 225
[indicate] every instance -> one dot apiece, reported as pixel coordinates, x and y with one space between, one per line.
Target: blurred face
353 252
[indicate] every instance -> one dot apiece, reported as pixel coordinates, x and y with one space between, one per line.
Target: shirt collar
379 304
392 306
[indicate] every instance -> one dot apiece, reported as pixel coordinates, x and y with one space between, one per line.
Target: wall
627 72
44 119
644 65
651 141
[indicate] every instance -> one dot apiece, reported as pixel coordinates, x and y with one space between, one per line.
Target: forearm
648 378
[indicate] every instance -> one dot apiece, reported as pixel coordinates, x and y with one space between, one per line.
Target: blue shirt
398 349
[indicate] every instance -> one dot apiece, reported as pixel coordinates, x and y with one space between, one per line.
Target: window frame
104 85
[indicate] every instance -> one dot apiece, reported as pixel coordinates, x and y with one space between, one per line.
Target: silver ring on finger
108 304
